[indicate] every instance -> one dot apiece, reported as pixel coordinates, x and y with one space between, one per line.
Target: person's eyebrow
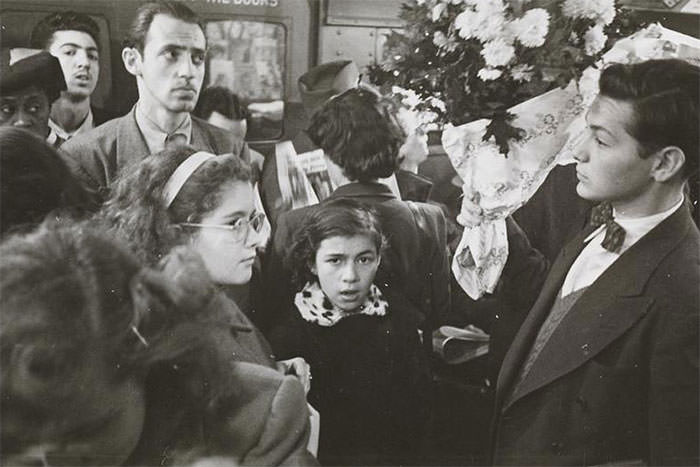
235 214
76 46
366 252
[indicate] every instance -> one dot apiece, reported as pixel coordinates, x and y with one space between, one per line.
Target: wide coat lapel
131 145
609 307
528 330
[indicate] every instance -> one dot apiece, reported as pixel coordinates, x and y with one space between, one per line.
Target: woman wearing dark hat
30 81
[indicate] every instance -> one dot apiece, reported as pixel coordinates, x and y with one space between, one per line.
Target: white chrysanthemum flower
532 28
466 22
601 11
489 74
439 38
595 39
486 22
409 97
438 10
522 72
497 53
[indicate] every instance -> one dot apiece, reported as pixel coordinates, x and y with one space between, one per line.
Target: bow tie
614 233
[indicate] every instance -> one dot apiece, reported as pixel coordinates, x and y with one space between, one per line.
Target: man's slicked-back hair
665 99
43 32
136 35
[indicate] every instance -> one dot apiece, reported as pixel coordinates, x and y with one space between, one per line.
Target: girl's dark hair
136 209
76 307
34 182
340 217
358 131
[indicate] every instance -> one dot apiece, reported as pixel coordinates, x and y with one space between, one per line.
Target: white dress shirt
56 131
155 136
594 259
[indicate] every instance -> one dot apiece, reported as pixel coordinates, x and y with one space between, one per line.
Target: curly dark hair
359 132
71 298
342 217
42 33
34 182
136 209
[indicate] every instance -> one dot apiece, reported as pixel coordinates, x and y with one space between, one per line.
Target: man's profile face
172 68
80 61
27 108
610 167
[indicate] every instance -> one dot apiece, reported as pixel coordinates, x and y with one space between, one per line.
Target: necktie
614 233
175 139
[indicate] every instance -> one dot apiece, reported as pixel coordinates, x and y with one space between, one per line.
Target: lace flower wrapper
500 185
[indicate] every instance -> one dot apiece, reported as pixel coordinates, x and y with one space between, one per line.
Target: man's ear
132 60
669 163
312 268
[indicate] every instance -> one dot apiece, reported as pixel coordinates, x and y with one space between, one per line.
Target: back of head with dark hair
136 35
342 217
220 99
136 209
63 21
78 312
359 133
665 96
34 181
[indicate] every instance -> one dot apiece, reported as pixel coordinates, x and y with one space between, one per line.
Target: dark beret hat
324 81
40 69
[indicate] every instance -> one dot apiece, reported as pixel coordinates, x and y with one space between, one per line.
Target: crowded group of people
162 304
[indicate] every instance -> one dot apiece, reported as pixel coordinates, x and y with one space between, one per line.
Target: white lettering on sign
265 3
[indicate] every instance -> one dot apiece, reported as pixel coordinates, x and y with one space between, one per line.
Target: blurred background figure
73 38
105 362
30 80
34 182
224 109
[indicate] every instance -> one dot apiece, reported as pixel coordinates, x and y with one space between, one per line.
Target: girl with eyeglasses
183 197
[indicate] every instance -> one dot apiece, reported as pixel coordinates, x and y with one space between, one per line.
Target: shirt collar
154 135
637 227
56 131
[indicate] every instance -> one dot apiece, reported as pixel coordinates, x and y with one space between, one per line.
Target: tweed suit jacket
98 156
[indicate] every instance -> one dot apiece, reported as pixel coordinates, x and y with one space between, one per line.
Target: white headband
183 172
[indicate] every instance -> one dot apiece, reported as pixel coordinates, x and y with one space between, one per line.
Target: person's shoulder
100 136
223 141
271 423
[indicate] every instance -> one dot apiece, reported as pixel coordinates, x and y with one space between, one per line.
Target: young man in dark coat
604 368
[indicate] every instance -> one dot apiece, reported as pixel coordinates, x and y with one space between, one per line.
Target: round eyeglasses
240 227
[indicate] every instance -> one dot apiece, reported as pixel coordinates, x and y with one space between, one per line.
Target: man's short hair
222 100
63 21
136 36
665 100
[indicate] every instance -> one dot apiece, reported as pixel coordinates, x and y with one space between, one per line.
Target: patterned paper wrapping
555 130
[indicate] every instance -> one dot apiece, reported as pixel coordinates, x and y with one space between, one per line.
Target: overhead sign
259 3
